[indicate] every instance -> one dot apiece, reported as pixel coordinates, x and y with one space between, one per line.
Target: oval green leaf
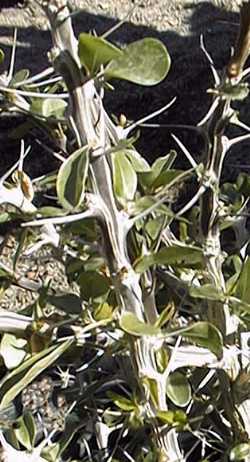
95 51
93 285
160 165
19 76
120 401
70 303
166 417
12 350
145 62
25 430
203 334
71 178
138 162
178 389
48 211
243 286
175 255
19 378
31 426
49 107
208 292
124 177
133 326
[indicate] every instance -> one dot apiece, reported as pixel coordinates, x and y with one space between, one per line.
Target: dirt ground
178 23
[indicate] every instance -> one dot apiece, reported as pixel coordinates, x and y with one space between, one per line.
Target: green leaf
144 203
22 433
240 452
49 107
175 255
132 325
5 273
123 403
103 311
243 184
70 303
203 334
153 227
235 92
71 179
161 359
180 417
12 350
93 285
94 264
165 316
4 217
166 177
124 177
25 430
31 426
207 292
96 51
138 162
145 62
243 287
178 389
53 452
161 164
12 384
2 56
19 76
166 416
49 211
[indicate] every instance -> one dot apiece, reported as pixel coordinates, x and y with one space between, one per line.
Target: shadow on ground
188 79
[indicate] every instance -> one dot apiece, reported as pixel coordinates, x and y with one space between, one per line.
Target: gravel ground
178 24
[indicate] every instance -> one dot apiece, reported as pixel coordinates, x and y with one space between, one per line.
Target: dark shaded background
188 79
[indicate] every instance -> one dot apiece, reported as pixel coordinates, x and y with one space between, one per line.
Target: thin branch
33 94
237 140
120 23
211 110
238 123
48 149
13 56
61 220
14 166
44 82
45 73
194 199
183 126
185 151
215 73
148 117
160 201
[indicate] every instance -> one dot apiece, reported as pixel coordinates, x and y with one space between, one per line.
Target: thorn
185 151
13 56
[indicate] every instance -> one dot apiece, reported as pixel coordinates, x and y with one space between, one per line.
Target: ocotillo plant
151 347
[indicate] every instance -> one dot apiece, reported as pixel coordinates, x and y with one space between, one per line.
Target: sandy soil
178 23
